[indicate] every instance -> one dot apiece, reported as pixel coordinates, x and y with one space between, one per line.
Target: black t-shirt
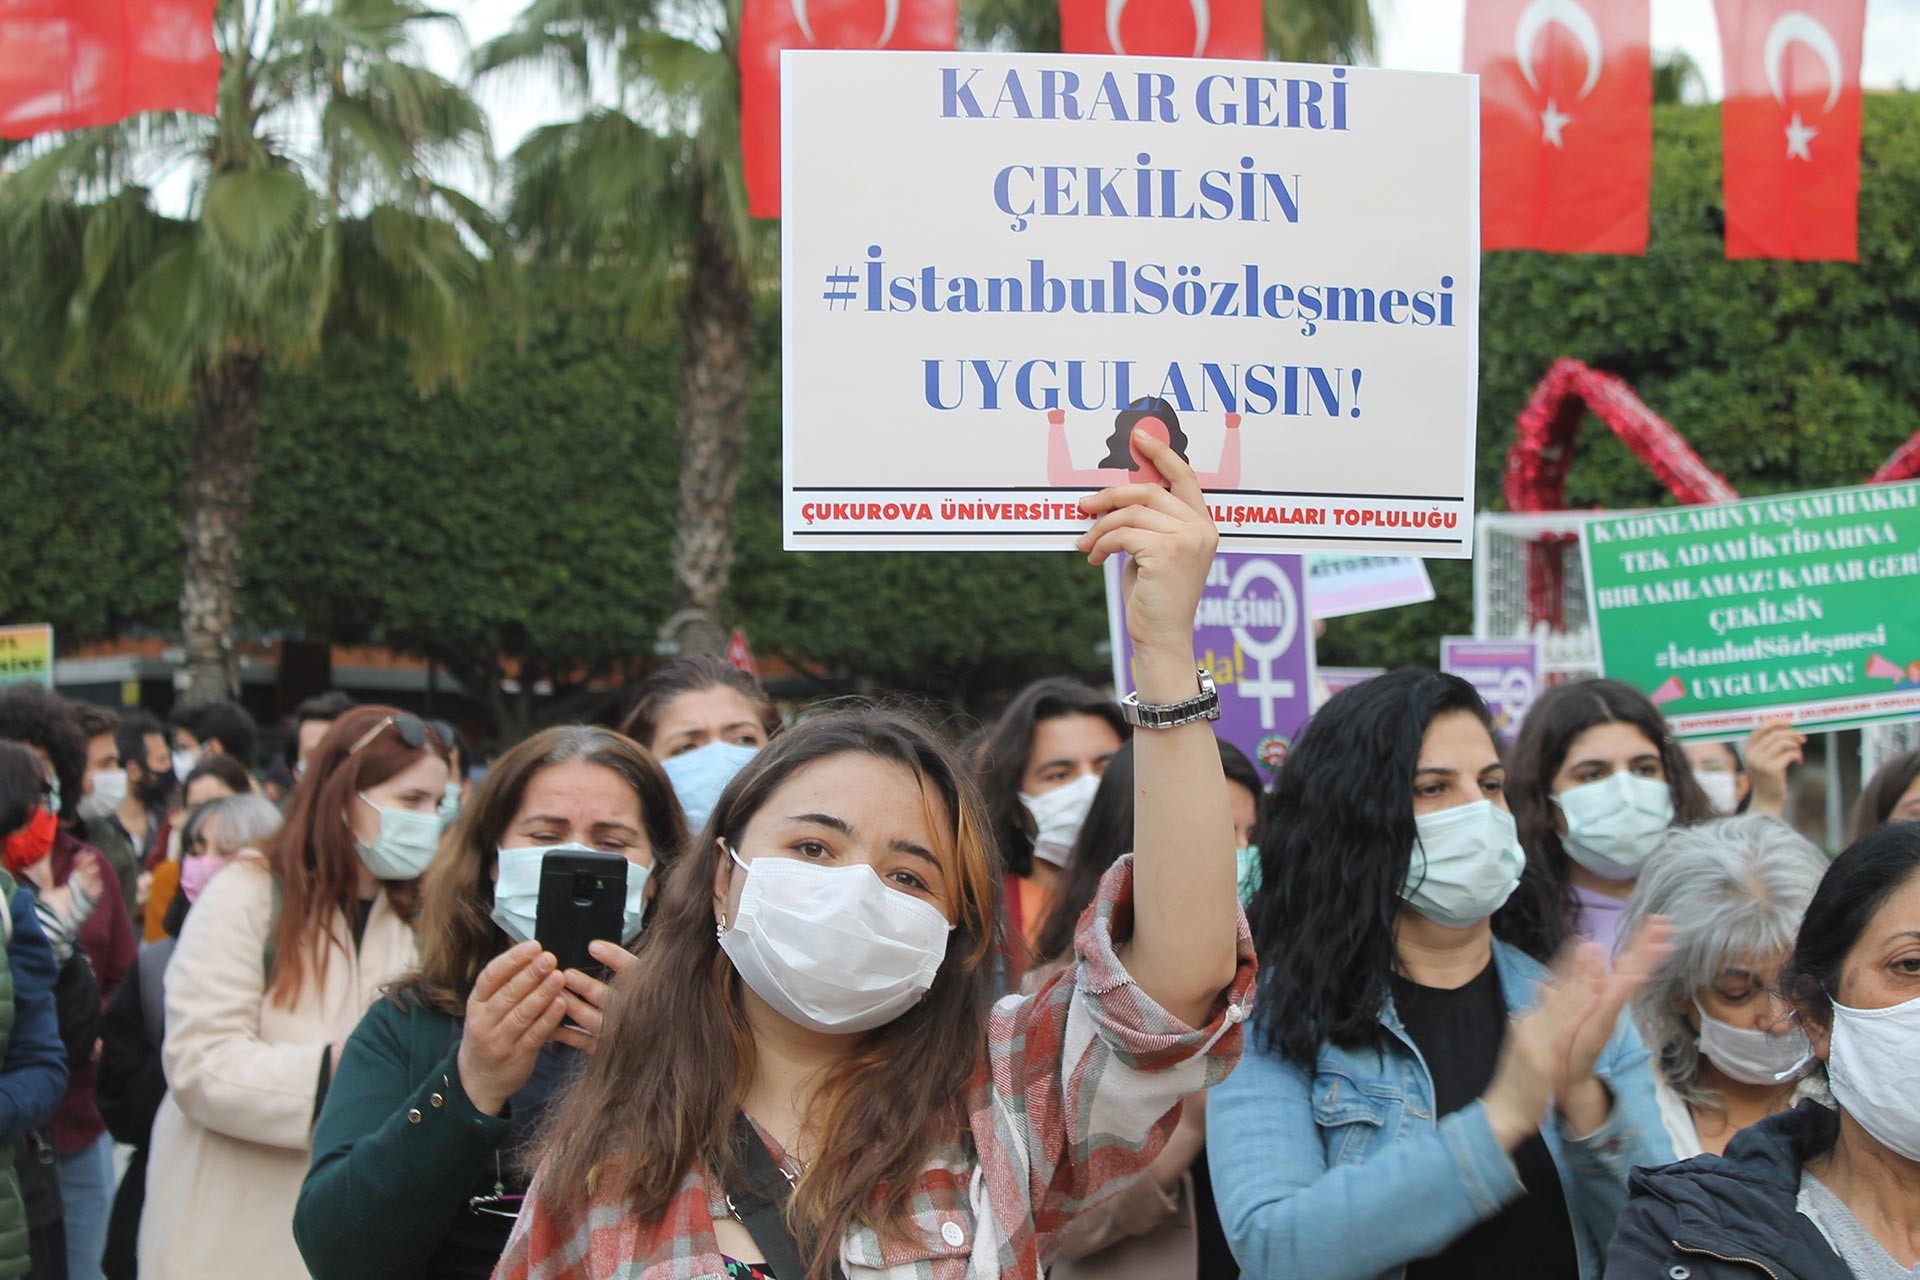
1460 1033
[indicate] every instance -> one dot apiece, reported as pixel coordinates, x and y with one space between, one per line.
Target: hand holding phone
583 899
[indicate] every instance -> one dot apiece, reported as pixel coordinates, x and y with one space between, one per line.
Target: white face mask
1722 788
109 790
1467 862
1615 824
183 762
833 949
516 893
1752 1056
1058 816
1870 1069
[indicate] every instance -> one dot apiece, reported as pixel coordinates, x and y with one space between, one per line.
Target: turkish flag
768 26
1790 127
1164 28
73 64
1566 123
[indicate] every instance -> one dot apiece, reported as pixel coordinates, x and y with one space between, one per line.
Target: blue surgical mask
450 804
1466 863
1247 861
516 894
53 797
1614 825
700 775
405 845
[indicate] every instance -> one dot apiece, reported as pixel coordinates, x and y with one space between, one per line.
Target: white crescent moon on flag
1804 27
1202 24
1537 16
886 29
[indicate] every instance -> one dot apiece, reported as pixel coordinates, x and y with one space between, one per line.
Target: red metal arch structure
1543 450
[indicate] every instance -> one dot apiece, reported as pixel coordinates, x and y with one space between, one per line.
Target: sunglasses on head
412 730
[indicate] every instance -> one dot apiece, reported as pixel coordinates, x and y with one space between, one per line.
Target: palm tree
648 182
1677 78
313 208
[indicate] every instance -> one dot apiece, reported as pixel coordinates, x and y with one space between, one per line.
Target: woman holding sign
1597 782
416 1168
1422 1098
804 1073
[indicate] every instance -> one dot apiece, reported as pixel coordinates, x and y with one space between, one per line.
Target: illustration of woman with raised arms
1123 465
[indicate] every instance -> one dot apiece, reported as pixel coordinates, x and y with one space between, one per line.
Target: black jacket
1731 1217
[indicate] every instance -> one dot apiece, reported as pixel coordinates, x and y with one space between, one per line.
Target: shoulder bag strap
761 1203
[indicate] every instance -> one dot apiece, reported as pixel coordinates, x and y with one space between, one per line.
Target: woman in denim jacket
1421 1099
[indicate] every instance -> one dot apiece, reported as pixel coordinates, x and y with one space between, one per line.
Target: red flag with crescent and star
768 26
1566 123
1163 28
75 64
1790 127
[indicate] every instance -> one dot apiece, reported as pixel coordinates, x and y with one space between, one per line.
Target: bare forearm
1185 908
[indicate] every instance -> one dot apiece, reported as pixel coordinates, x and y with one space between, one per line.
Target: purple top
1599 919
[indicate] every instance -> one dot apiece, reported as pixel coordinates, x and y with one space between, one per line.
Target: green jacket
106 835
398 1152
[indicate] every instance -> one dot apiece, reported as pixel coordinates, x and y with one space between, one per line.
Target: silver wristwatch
1169 715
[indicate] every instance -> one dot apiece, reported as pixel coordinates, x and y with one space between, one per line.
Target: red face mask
30 843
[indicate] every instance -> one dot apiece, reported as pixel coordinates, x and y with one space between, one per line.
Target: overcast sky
1423 35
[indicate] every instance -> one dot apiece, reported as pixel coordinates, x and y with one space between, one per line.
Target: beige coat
231 1142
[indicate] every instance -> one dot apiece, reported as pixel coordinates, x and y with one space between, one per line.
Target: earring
720 927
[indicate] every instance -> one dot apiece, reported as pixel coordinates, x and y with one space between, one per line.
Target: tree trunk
713 430
222 461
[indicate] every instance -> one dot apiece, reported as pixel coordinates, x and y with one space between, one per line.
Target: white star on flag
1799 134
1552 121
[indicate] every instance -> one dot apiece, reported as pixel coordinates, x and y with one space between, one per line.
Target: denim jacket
1341 1173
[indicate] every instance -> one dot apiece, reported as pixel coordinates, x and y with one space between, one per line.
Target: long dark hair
1104 837
1539 917
1882 792
661 1094
457 934
1334 854
1000 757
1867 873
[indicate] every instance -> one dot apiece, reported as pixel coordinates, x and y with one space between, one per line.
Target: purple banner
1253 633
1506 672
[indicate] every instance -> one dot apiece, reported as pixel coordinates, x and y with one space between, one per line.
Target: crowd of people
1076 996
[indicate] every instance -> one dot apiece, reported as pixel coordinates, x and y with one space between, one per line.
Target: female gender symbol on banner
1264 686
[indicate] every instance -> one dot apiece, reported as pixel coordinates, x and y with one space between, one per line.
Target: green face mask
1248 860
450 804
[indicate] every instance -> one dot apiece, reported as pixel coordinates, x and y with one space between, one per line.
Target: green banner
1804 605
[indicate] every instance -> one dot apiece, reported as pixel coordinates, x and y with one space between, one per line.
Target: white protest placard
996 266
1345 585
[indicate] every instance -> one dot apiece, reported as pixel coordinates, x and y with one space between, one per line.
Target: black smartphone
583 896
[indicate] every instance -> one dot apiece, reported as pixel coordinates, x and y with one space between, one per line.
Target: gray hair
1735 890
233 823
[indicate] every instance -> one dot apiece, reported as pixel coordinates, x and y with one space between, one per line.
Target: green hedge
532 514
